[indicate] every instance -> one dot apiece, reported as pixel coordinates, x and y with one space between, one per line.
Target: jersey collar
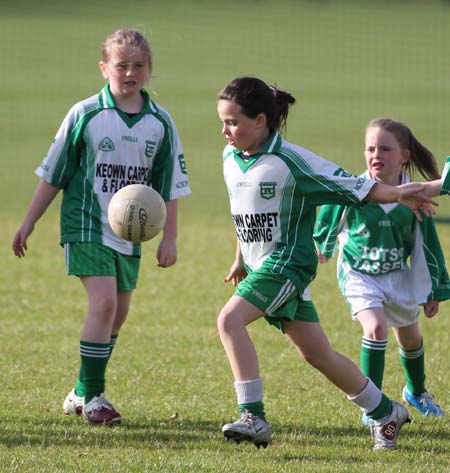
271 146
106 100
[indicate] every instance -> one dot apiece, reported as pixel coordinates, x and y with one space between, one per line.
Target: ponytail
421 158
254 97
283 100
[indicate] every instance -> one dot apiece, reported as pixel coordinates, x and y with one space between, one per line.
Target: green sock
383 409
413 362
94 359
372 357
256 408
79 385
112 343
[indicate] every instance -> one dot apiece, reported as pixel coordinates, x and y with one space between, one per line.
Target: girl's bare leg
311 342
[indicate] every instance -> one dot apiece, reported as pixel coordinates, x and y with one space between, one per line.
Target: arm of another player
439 186
167 250
433 188
42 198
326 229
411 195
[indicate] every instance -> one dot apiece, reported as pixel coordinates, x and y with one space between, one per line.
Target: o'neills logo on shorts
259 296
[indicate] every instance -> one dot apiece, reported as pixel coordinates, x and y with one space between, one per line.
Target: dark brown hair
254 97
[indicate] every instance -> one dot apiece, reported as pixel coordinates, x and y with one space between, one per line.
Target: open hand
411 195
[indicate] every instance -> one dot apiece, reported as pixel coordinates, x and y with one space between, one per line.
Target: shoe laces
100 402
248 418
425 398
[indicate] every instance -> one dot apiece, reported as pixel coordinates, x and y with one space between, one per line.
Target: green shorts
277 297
94 259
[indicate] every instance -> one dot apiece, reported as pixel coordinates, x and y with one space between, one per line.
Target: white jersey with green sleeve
98 150
445 189
377 239
273 198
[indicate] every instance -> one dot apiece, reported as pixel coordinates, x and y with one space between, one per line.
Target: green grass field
346 62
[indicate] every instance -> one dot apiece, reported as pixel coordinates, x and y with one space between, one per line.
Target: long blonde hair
421 158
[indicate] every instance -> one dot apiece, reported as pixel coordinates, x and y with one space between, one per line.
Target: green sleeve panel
327 228
445 189
434 261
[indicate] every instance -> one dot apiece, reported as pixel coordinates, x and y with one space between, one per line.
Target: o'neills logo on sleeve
255 228
342 172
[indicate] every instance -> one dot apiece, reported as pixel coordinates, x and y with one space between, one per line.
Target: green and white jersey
273 198
445 189
98 150
378 239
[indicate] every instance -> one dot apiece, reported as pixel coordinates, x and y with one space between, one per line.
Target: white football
136 213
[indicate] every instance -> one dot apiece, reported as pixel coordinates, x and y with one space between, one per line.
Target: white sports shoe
100 411
73 404
249 427
385 431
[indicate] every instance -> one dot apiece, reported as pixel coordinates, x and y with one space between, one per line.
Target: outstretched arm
411 195
432 188
42 198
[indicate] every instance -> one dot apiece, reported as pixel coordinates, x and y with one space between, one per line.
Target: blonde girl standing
114 138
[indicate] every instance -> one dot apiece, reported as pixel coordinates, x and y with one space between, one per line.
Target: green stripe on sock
94 359
372 360
112 343
413 362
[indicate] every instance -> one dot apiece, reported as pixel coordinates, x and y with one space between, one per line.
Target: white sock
369 398
248 391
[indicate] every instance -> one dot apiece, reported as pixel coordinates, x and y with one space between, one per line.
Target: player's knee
227 322
376 331
105 308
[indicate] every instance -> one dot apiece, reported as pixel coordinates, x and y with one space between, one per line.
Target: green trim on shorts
277 297
94 259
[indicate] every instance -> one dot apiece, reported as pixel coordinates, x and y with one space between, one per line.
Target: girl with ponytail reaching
274 187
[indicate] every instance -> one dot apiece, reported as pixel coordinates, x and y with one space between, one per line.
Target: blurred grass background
345 61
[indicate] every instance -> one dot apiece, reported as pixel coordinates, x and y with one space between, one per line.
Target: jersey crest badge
106 144
267 190
149 148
